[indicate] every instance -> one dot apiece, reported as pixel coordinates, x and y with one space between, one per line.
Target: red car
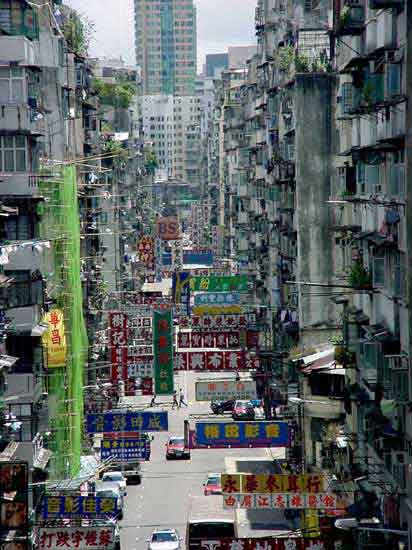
213 485
243 410
175 448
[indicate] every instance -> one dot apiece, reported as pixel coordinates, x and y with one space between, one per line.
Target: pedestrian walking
175 400
182 399
153 401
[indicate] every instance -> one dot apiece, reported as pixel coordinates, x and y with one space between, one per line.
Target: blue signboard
79 507
127 422
217 298
241 434
125 450
191 258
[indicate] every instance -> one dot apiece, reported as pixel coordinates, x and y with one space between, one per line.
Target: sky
220 23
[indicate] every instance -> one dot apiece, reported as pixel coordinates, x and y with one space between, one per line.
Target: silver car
164 539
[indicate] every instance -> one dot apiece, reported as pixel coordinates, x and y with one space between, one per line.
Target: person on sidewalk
182 399
175 400
153 401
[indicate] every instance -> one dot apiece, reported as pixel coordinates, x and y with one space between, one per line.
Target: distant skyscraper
165 39
215 63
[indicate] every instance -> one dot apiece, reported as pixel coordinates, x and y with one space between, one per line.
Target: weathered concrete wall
313 179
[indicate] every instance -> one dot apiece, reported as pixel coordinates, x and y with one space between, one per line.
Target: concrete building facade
165 40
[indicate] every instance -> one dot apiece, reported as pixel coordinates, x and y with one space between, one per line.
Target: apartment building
172 125
165 39
314 165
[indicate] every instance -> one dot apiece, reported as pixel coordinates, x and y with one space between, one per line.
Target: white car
116 477
164 539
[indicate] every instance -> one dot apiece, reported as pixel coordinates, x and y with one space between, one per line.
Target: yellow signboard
217 310
54 339
272 483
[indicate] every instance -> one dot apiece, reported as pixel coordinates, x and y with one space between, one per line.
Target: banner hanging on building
217 298
163 352
54 339
14 512
215 361
209 339
218 322
219 284
241 434
86 538
273 483
145 249
211 390
127 422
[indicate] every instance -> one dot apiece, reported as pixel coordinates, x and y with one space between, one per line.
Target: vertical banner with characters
181 289
163 352
54 339
118 345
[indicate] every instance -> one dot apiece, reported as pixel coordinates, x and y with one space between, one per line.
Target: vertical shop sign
118 345
54 339
163 352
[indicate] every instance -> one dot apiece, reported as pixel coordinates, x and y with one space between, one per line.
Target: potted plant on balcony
359 277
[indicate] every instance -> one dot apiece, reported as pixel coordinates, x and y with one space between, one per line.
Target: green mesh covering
60 223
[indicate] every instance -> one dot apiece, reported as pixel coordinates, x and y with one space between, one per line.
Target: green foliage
78 31
151 162
285 58
119 94
359 277
344 16
301 63
368 93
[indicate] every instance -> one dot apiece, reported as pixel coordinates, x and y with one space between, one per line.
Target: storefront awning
7 361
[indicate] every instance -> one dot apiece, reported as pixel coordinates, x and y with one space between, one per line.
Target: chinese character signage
118 344
241 434
140 367
282 501
168 228
273 483
220 309
54 339
145 249
79 506
125 450
209 390
217 298
215 361
84 538
219 284
284 543
127 422
218 322
14 482
163 352
222 340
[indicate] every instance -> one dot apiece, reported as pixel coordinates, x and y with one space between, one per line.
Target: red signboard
286 543
118 344
168 228
215 360
147 386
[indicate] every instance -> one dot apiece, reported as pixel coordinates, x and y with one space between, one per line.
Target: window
13 154
24 291
378 263
18 228
12 85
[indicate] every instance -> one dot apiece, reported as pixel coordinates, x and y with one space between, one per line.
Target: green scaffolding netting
60 224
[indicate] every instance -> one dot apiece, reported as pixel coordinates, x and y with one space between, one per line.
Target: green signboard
219 284
163 352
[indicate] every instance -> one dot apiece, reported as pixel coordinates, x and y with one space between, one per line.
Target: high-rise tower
165 38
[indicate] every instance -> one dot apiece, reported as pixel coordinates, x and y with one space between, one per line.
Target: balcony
386 31
351 20
21 184
17 48
21 119
23 387
23 319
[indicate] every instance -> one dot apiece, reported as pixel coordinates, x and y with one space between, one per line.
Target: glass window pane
8 142
25 410
17 71
4 73
4 91
20 160
9 161
17 91
20 141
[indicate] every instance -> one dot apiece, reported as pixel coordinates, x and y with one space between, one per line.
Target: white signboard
297 501
86 538
142 369
210 390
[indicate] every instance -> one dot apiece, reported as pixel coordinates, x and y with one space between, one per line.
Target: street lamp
370 524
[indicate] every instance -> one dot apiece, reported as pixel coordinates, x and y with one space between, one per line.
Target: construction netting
60 224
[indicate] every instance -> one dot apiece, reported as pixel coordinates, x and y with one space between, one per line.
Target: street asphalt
162 500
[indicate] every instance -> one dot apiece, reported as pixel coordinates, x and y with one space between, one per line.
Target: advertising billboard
223 283
241 434
281 501
54 339
210 390
271 543
163 352
86 538
125 449
64 506
273 483
127 422
168 228
14 483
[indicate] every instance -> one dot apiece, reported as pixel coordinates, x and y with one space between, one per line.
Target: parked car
213 485
243 410
164 539
175 448
111 490
220 407
116 477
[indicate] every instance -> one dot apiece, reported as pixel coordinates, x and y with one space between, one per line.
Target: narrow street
163 498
